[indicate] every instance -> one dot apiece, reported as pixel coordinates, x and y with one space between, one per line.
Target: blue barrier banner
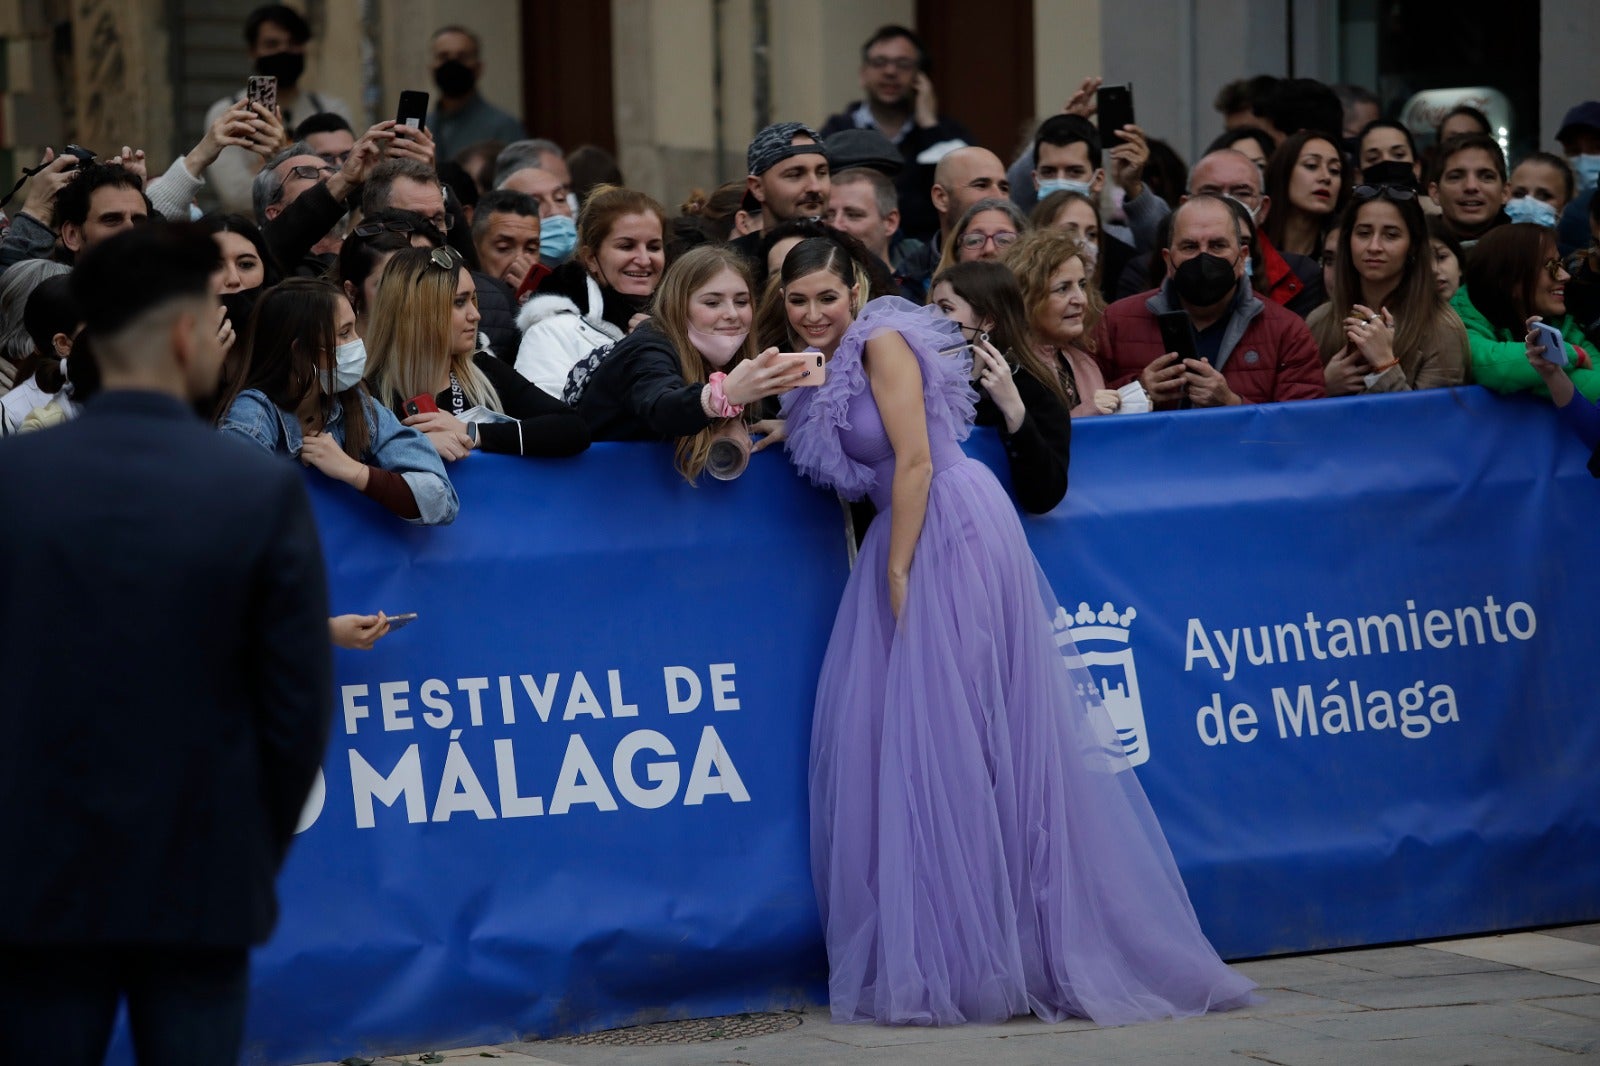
1342 641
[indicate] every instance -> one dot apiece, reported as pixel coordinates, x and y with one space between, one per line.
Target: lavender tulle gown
980 846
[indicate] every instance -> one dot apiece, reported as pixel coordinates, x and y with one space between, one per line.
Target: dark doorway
982 57
566 79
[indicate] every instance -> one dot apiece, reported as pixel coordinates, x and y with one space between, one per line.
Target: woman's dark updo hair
216 223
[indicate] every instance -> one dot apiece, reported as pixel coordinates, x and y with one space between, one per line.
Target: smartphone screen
413 109
1114 108
1177 335
263 90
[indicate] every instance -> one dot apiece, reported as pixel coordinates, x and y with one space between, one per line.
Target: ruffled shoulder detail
816 417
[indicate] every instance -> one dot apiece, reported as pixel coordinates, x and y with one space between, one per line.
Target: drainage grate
692 1031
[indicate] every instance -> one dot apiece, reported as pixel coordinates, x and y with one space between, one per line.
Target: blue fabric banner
1342 640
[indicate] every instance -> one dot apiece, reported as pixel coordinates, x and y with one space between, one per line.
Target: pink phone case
813 361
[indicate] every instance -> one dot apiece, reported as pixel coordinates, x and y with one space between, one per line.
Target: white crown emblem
1083 637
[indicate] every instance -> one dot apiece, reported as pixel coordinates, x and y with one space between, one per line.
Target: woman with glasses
987 229
430 366
1018 391
980 846
368 250
1512 276
300 395
1306 183
689 373
602 293
1386 328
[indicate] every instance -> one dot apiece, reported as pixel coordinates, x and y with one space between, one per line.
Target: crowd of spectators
395 298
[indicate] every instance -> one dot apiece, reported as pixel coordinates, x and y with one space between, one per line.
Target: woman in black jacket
426 362
1017 392
688 373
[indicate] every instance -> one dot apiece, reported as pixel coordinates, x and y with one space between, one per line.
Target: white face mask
349 363
1588 171
1046 187
717 348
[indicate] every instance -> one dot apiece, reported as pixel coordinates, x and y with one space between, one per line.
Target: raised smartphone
812 361
263 90
1114 110
413 109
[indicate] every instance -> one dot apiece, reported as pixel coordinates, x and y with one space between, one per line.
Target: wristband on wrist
715 401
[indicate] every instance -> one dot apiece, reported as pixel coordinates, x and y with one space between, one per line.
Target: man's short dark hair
380 183
322 122
1296 104
501 202
1211 198
1241 95
1466 142
477 45
72 202
1062 131
126 275
893 32
1469 111
291 21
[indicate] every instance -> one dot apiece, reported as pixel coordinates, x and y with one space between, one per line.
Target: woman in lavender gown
979 844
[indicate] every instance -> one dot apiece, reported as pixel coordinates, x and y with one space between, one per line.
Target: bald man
962 178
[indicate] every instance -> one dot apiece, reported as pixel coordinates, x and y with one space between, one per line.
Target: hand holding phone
813 362
413 109
421 404
1551 345
1114 107
263 90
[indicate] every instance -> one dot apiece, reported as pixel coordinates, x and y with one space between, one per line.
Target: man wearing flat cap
788 176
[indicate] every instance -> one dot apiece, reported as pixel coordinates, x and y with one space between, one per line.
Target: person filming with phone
1243 349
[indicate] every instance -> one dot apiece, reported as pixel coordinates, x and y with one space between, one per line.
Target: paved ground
1524 998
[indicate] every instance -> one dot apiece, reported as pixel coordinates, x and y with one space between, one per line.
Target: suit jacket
166 672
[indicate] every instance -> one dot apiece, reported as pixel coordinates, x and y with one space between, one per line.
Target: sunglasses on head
372 229
1397 193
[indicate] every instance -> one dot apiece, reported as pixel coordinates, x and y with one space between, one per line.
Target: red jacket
1267 353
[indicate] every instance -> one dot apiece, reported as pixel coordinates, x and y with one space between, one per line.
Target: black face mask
285 66
619 307
454 78
1205 280
1391 172
239 305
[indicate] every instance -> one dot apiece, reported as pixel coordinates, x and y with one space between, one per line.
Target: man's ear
1266 209
940 197
891 222
753 184
273 211
1098 182
1433 191
1166 257
61 344
72 237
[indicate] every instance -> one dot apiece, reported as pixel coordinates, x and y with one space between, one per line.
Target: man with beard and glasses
462 117
276 36
1247 350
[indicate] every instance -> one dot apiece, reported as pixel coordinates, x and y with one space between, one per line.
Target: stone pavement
1522 998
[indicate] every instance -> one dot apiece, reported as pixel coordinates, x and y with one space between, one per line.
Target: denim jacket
391 446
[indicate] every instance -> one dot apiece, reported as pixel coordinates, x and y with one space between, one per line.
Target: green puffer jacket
1499 358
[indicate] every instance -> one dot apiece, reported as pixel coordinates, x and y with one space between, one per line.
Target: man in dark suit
167 684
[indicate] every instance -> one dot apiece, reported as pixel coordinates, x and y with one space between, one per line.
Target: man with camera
1242 349
78 198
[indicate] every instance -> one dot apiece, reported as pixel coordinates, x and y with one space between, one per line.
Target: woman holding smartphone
691 370
431 367
1018 393
300 394
980 846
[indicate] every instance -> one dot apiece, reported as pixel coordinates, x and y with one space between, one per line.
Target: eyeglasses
1396 193
372 229
309 172
1554 267
903 65
972 240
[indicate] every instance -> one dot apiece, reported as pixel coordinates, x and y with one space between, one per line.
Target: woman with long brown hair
1018 394
688 372
1306 182
428 366
1387 329
300 394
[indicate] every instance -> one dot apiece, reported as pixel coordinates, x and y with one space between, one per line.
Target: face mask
1588 171
1204 280
1527 209
349 363
1391 172
285 66
454 78
1063 185
718 348
558 235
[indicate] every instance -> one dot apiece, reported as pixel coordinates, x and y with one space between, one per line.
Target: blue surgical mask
349 363
1588 170
558 235
1527 209
1046 187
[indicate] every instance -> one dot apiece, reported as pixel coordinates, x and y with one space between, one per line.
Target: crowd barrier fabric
1347 644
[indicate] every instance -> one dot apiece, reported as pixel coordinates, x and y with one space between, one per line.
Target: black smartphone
262 89
1114 109
413 109
1177 333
